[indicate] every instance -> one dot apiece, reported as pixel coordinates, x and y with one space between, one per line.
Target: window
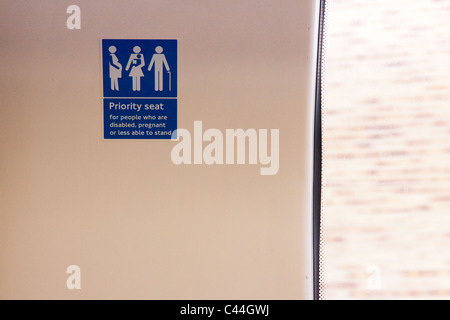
386 150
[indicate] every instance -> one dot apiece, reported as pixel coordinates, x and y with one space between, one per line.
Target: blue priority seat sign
139 88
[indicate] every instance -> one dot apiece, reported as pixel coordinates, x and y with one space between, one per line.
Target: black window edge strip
317 176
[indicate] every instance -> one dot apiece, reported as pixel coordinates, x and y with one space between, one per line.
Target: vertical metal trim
317 182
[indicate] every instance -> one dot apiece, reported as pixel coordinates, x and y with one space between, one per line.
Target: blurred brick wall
386 172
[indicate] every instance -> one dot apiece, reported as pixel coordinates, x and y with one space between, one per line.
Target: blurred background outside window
386 150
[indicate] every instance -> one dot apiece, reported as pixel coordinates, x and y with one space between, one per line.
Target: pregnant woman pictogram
115 68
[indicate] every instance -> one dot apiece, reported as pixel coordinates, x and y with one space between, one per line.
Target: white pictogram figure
115 68
158 60
136 62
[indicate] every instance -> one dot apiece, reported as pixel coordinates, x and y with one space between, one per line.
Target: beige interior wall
138 225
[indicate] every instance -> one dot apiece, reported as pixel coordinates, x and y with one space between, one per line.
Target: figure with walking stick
159 61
